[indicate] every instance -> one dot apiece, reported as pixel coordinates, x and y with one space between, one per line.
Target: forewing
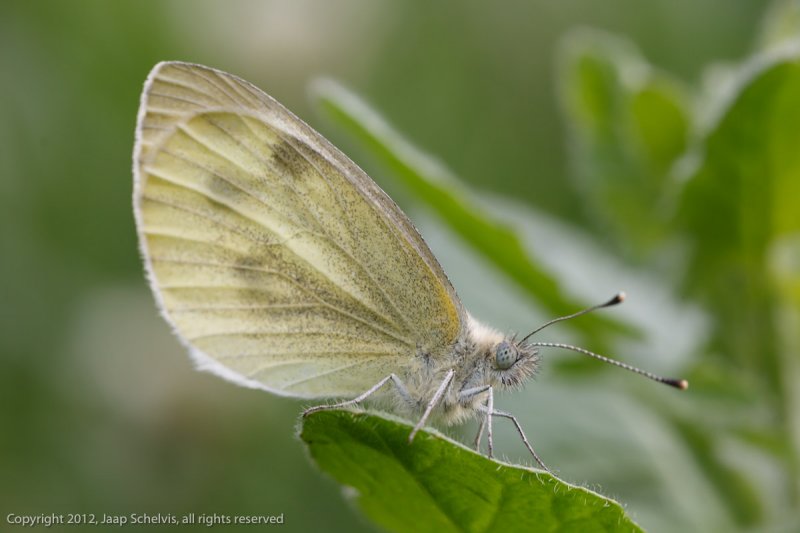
277 259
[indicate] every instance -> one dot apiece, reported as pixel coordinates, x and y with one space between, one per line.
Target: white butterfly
284 267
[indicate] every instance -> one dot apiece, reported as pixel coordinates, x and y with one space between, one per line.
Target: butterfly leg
431 404
401 389
522 435
477 442
488 410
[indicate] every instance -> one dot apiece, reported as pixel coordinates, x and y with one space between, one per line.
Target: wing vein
155 110
165 78
178 99
180 85
168 235
296 382
266 163
212 83
337 198
369 324
213 307
159 173
183 128
239 85
276 333
256 240
302 353
220 223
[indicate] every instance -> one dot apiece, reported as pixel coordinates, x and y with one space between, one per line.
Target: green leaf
444 194
743 196
436 484
628 124
739 213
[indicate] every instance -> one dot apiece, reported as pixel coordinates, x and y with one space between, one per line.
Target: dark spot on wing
250 261
221 188
249 268
289 161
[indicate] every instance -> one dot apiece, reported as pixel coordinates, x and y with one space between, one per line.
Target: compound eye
505 355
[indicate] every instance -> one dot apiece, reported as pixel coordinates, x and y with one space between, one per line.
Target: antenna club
621 296
681 384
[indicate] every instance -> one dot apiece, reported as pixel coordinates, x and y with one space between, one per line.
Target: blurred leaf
433 184
784 266
784 263
781 24
438 485
628 125
744 196
736 488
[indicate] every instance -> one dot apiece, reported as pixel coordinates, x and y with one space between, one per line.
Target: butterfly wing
276 259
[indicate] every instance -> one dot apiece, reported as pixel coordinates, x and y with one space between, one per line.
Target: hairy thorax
473 359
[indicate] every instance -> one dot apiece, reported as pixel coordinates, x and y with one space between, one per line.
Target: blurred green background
100 410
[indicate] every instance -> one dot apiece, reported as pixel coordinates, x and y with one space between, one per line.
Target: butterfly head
513 362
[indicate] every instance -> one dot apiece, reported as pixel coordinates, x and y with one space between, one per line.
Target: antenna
617 299
681 384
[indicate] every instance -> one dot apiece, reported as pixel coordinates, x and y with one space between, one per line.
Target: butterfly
282 266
